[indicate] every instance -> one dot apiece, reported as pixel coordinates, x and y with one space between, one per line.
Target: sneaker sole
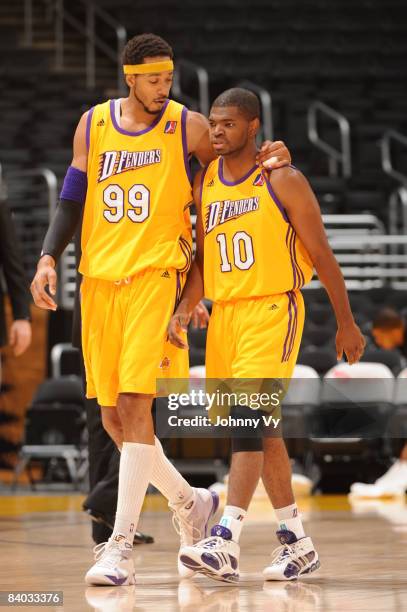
199 569
312 568
104 581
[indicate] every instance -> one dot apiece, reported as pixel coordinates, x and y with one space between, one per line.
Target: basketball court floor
45 545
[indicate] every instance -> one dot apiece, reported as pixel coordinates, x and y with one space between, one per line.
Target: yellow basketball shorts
255 337
124 334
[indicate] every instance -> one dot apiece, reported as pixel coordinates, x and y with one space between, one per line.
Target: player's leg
115 564
297 554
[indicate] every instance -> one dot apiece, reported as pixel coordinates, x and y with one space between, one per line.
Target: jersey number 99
138 199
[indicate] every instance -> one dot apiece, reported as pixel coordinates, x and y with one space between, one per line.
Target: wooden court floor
45 544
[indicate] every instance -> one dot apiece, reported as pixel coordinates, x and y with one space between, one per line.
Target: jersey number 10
243 253
138 198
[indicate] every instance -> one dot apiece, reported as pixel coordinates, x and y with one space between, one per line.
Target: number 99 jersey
251 249
136 213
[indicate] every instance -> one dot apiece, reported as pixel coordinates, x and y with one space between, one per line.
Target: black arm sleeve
62 228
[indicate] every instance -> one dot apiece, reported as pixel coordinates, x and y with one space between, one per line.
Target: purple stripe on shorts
294 330
88 126
184 115
289 326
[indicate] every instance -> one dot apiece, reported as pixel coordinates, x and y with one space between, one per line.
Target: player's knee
112 425
246 435
133 408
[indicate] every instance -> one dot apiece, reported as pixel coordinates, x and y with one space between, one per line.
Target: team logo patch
165 363
170 127
259 180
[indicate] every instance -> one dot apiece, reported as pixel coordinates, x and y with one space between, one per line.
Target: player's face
229 130
152 90
388 339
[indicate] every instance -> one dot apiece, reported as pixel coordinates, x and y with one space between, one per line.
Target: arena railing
88 31
336 157
398 198
185 67
266 103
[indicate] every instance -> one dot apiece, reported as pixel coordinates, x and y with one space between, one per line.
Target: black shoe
107 521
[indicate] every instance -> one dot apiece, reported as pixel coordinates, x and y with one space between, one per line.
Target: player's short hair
246 101
145 45
387 319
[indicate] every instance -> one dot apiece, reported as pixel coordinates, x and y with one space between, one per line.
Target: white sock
136 465
167 479
232 518
290 520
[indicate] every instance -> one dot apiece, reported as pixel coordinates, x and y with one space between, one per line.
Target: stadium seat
318 358
391 359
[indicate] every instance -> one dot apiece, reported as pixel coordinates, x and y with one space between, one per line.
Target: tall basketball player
258 239
130 172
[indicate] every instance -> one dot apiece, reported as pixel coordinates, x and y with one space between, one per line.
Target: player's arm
194 288
298 199
271 155
65 221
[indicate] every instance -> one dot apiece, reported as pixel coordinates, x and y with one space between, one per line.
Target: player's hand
177 330
20 336
273 155
45 276
350 340
200 316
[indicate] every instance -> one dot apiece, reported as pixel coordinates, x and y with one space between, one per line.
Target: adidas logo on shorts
165 274
273 307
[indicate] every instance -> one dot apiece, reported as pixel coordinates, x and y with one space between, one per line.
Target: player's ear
254 126
130 80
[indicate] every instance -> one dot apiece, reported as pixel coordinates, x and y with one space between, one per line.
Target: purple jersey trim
201 186
88 126
275 199
184 115
75 185
147 129
233 183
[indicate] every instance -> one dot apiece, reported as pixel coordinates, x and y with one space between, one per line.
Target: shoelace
109 556
280 554
212 542
183 528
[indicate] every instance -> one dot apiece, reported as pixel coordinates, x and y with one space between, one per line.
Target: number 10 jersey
251 249
136 213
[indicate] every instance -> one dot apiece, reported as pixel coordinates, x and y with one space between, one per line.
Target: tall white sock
136 465
167 479
290 520
232 518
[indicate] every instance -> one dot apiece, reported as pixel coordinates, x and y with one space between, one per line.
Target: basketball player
258 239
130 172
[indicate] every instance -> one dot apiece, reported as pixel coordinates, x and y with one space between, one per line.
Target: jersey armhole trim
276 200
88 126
184 115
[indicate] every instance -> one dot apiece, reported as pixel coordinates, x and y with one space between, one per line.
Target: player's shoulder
287 177
197 120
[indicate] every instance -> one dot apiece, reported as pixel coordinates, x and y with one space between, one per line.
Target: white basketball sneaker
114 563
392 483
292 559
217 556
190 519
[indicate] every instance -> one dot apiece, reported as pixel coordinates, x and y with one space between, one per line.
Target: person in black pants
104 456
11 267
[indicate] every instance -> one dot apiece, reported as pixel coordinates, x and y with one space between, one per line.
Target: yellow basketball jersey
136 213
251 249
